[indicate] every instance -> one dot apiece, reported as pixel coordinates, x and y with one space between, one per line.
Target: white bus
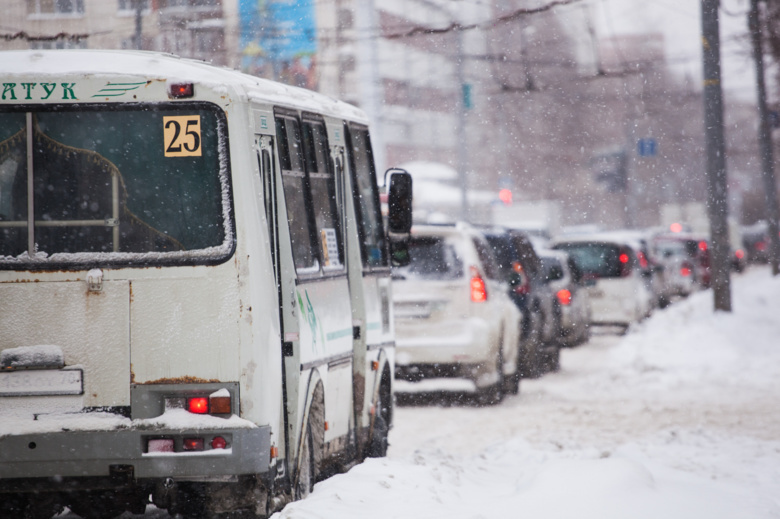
194 287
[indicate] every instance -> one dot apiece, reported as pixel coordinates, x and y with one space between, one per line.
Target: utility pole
765 140
462 145
139 7
717 202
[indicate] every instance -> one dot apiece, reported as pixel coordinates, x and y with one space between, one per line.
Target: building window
55 7
130 6
58 44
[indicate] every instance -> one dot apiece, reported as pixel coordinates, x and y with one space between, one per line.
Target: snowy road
678 419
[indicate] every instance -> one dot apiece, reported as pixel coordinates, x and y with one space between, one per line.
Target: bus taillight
181 90
199 405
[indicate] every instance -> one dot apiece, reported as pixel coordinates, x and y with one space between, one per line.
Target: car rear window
595 259
432 258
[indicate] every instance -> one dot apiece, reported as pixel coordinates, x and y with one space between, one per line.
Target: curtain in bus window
323 192
103 183
13 184
372 235
294 184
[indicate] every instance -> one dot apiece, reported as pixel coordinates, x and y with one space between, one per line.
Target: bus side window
323 193
370 226
296 193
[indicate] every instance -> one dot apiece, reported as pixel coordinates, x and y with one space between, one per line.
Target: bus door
321 295
373 259
352 251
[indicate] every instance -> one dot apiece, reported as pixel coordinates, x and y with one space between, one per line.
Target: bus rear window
108 185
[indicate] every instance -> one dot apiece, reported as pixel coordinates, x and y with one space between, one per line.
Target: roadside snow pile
689 343
679 419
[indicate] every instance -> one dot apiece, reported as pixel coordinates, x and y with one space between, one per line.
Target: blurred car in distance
696 247
619 295
521 267
453 317
677 264
572 305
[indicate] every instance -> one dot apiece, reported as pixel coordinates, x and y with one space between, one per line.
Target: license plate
596 293
36 382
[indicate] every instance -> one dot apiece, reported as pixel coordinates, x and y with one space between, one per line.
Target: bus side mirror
399 221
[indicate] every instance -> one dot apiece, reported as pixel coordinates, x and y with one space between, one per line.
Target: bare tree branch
457 27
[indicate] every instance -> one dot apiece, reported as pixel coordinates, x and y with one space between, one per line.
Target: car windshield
595 259
113 184
432 258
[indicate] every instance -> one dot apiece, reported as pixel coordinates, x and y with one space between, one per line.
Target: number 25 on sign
181 136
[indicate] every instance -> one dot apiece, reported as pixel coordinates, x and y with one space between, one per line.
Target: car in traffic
572 303
618 294
522 268
453 316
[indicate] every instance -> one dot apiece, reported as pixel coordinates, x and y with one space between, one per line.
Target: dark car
522 268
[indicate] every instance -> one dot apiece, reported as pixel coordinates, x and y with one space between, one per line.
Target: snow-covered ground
678 419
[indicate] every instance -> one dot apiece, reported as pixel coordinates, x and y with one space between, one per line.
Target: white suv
609 262
453 317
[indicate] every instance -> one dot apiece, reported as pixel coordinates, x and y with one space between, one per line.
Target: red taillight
478 288
181 90
685 271
198 405
564 297
739 254
761 246
625 264
702 245
192 444
218 443
643 263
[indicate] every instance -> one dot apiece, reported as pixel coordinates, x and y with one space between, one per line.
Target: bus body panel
91 329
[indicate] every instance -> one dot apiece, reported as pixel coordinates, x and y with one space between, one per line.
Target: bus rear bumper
120 457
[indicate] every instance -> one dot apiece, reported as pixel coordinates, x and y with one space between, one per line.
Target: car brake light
702 245
524 286
739 254
478 288
199 405
218 443
685 271
625 264
564 297
643 260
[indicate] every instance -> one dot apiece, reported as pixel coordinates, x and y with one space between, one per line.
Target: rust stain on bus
186 379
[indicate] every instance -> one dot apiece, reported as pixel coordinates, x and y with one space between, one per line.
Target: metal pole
139 7
461 143
717 204
765 141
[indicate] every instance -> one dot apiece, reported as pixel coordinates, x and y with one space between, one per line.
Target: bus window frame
385 267
143 259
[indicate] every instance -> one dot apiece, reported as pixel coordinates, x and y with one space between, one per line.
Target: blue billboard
279 40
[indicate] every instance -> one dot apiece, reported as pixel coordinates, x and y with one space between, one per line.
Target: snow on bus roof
155 65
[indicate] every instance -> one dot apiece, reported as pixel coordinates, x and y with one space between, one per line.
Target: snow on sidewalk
678 419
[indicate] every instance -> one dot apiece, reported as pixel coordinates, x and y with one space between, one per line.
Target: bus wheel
304 481
313 445
379 443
